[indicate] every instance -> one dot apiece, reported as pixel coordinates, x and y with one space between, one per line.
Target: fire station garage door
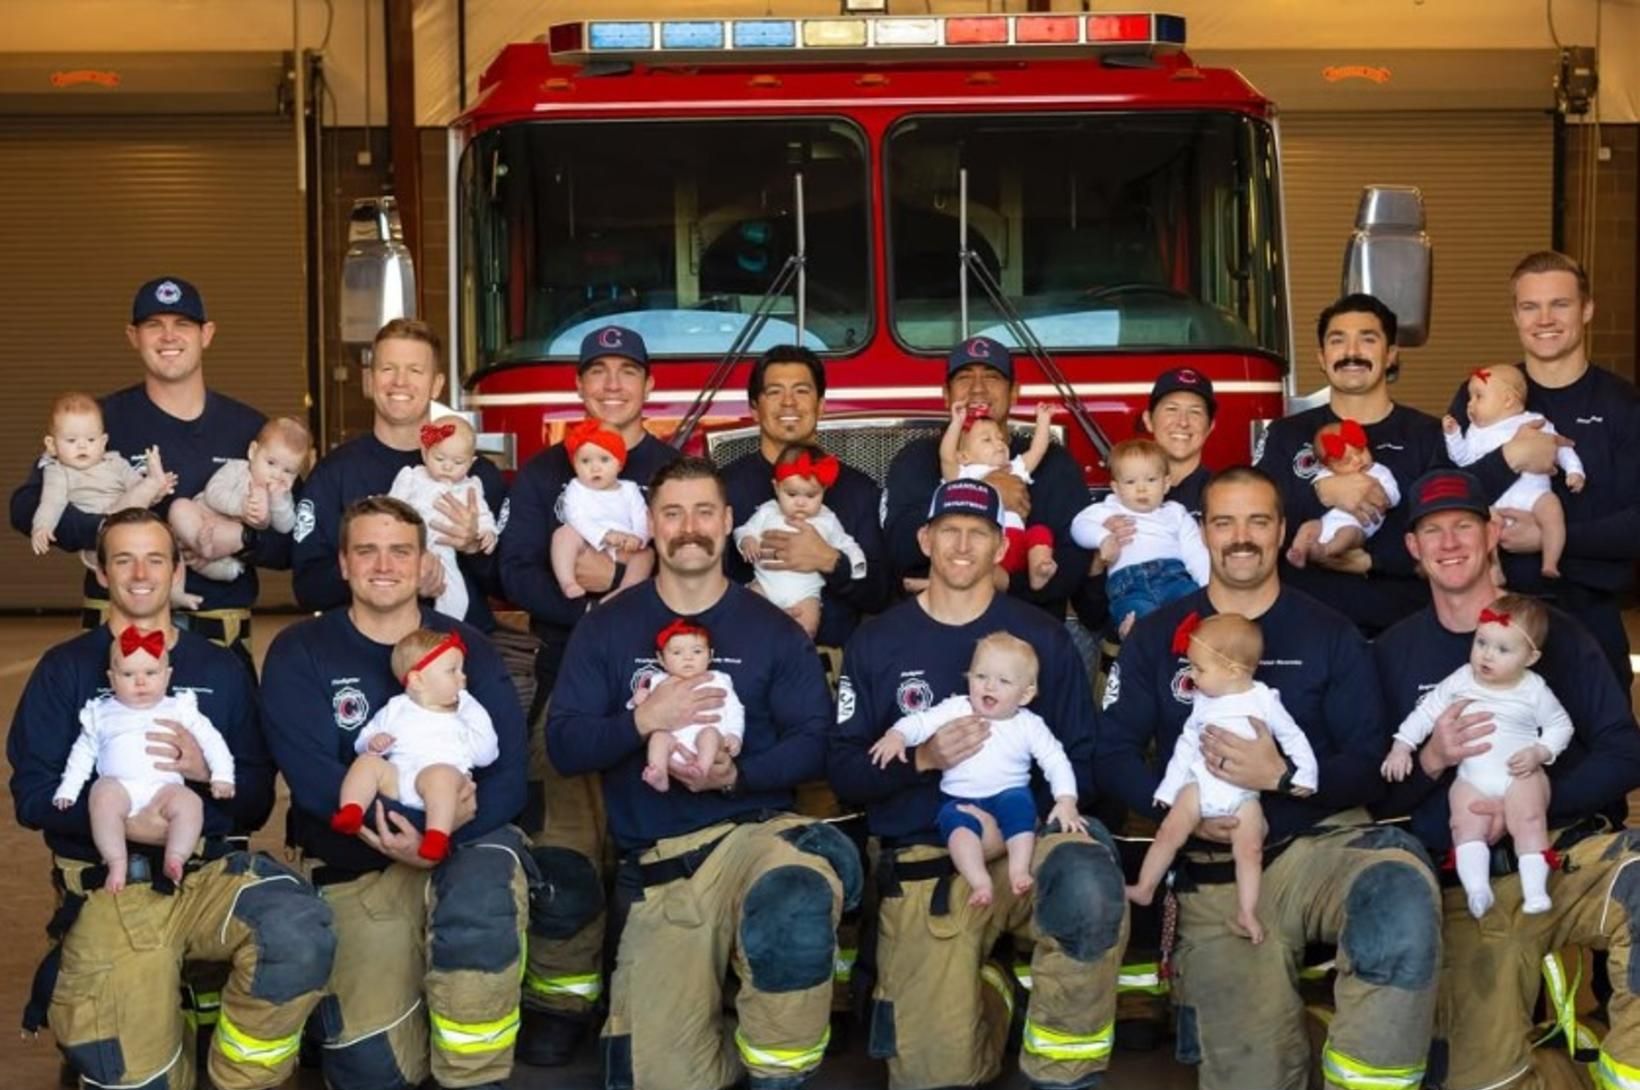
1488 184
92 207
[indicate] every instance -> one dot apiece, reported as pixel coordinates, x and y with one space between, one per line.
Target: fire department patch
351 706
304 521
167 292
1183 689
646 675
501 519
1113 687
914 695
558 505
1305 464
845 699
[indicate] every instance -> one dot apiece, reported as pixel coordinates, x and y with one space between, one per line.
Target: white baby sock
1534 884
1475 872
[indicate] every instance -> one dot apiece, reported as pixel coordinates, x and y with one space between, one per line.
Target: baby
448 450
686 652
1338 535
254 490
1532 730
79 469
1497 410
1224 652
997 779
1166 558
114 741
600 510
802 474
973 447
422 746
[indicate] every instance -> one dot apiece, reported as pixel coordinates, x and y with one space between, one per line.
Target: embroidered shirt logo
1113 687
167 292
304 521
1305 464
845 699
914 695
351 707
1183 689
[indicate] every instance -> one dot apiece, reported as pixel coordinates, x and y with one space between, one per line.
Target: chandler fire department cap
963 497
1446 490
1190 381
167 295
980 350
613 340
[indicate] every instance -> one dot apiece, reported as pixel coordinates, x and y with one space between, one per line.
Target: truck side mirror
1389 256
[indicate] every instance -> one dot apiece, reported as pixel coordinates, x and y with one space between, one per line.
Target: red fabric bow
1182 634
594 432
679 627
1349 434
973 413
452 641
132 641
1481 373
434 434
822 469
1493 616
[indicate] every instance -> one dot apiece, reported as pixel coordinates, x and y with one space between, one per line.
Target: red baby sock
348 820
434 845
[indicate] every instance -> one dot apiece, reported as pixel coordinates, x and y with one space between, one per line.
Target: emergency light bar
885 38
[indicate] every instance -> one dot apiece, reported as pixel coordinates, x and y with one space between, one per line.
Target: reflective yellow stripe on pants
588 986
1348 1072
999 983
1610 1074
1562 996
1142 977
472 1037
842 970
241 1047
1053 1044
786 1059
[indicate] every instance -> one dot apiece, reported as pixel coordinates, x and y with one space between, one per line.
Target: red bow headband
594 432
1501 617
822 469
1186 628
132 641
973 413
1481 373
1349 434
434 434
680 627
452 641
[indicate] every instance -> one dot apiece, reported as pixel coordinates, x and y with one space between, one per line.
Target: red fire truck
876 188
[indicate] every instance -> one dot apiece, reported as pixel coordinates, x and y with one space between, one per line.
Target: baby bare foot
1021 883
1247 926
1551 571
572 590
1042 573
1139 895
981 897
656 777
116 876
173 867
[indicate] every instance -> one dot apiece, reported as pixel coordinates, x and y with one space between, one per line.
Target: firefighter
715 868
565 814
942 1007
1491 967
426 955
113 1007
1330 877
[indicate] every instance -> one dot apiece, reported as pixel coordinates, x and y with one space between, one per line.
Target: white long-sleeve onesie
731 717
786 588
978 471
464 738
1233 713
1526 714
1468 447
1003 761
1336 518
415 486
594 513
1167 533
114 742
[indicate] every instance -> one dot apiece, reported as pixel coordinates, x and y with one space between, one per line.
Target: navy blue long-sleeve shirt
777 677
47 723
1406 442
193 450
905 661
1313 657
365 466
856 501
322 682
1058 492
1592 775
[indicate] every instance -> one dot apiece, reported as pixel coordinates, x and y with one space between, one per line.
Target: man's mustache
700 540
1358 361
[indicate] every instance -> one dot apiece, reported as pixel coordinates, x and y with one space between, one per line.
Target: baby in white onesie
973 447
600 511
252 491
1532 730
995 783
802 474
421 747
448 450
1224 652
1342 448
685 650
1497 410
114 742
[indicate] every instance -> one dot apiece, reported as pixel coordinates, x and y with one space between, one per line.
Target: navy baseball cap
167 295
1446 490
980 350
1190 381
964 497
613 340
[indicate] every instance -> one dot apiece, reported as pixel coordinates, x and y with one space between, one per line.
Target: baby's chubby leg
640 565
368 776
1020 848
655 770
807 614
1471 840
1525 812
439 786
1551 520
1247 846
566 546
707 743
184 817
110 804
1171 835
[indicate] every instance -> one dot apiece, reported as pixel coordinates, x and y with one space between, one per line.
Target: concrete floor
27 1065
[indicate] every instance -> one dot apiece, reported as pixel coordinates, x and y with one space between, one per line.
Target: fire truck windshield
1139 230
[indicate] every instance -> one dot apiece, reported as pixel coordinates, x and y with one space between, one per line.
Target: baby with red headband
685 651
1497 410
601 511
975 446
130 790
1223 651
802 474
421 749
448 449
1532 730
1342 448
